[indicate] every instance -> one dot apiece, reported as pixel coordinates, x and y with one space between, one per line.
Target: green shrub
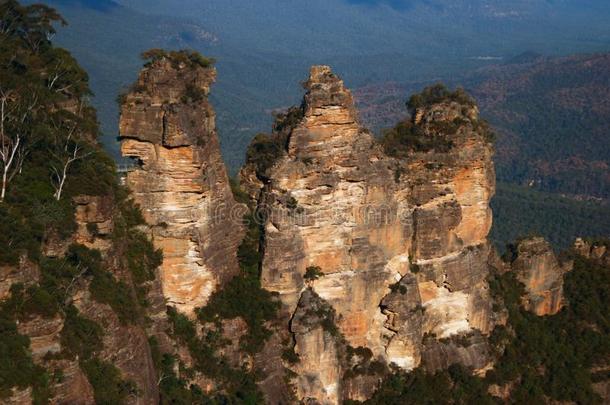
290 356
80 336
108 386
16 366
104 287
186 57
264 151
313 273
406 137
438 93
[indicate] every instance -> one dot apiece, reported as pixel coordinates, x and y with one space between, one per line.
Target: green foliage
264 151
228 303
437 94
172 389
313 273
45 94
549 357
454 386
177 58
193 94
142 258
16 366
406 137
290 356
237 385
104 287
554 125
238 193
360 360
286 121
80 336
108 386
34 300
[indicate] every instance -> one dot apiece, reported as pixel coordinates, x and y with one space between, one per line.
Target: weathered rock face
168 126
402 243
537 267
319 370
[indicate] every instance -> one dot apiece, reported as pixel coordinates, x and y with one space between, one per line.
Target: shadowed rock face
371 222
539 270
168 126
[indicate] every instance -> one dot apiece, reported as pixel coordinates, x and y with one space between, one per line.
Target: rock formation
537 267
168 126
401 243
596 250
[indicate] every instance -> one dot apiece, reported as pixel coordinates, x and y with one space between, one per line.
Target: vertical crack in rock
168 125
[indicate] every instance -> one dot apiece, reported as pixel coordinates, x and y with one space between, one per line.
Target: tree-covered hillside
51 162
553 115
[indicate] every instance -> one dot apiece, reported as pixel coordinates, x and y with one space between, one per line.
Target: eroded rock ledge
168 126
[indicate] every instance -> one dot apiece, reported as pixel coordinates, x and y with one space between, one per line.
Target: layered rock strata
168 126
401 243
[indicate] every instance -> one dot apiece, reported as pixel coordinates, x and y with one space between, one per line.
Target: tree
13 136
67 147
37 82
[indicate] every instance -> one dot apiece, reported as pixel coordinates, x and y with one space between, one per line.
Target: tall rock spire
181 184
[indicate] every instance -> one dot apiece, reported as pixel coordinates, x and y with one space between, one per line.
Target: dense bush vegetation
265 149
177 58
437 94
454 386
408 136
236 385
50 130
17 369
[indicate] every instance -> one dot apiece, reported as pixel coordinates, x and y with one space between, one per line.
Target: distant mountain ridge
263 48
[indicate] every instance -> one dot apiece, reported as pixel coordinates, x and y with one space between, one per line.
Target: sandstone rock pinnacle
168 126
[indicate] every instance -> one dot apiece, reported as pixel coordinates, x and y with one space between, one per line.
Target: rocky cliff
361 260
538 268
168 127
400 243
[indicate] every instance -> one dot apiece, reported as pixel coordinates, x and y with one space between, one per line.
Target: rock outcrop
593 250
401 242
538 268
168 126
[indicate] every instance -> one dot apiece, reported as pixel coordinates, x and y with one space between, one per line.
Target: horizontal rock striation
168 126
